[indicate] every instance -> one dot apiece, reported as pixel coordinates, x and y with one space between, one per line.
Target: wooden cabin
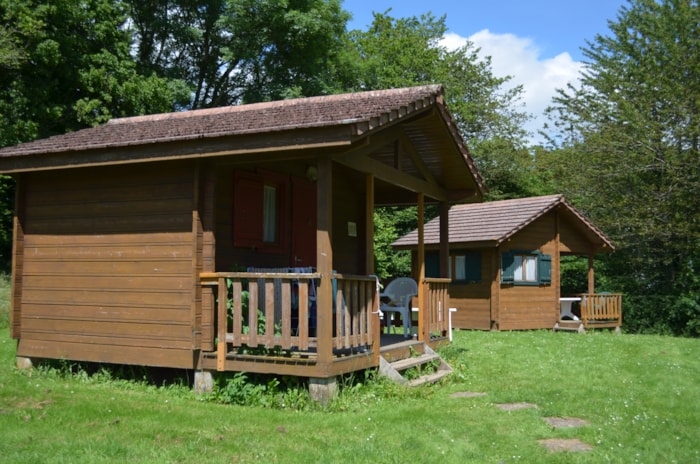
502 258
231 239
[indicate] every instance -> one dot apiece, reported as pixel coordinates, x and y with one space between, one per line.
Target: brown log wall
525 306
107 269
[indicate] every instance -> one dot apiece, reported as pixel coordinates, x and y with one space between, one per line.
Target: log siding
125 243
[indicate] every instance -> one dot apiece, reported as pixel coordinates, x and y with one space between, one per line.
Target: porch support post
591 274
369 266
324 260
444 239
369 224
207 217
556 267
423 316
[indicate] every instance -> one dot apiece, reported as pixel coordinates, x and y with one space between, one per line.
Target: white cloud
520 58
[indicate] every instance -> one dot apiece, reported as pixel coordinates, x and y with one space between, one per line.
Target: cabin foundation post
203 382
323 390
24 363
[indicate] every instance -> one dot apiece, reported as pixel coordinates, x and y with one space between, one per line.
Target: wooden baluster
303 314
286 314
222 322
237 312
253 313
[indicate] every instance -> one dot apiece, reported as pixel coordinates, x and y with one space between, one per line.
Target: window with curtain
526 268
259 211
464 267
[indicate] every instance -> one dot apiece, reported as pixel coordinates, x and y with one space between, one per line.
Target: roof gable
492 223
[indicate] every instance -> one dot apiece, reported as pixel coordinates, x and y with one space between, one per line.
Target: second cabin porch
291 324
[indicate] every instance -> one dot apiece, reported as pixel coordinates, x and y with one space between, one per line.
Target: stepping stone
516 406
565 422
565 444
467 394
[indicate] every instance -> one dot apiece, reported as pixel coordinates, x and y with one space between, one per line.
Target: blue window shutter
432 264
544 268
473 264
507 267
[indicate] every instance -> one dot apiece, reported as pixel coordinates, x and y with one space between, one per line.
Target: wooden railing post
221 331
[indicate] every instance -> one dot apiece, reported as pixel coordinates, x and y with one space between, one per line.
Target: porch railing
437 307
355 301
278 311
601 309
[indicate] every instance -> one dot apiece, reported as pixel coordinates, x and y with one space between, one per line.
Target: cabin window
464 267
259 211
526 268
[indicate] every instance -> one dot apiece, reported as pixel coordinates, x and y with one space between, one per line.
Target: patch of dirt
565 422
565 444
467 394
516 406
29 404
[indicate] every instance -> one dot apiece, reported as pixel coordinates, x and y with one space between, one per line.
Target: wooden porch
601 310
276 323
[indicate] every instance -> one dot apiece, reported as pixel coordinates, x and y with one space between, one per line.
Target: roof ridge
432 88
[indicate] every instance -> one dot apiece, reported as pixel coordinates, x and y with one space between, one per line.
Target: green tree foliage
241 51
73 69
628 151
402 52
66 65
390 224
408 51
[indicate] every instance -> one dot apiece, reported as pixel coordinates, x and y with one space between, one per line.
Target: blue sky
537 42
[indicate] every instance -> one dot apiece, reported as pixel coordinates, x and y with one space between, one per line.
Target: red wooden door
303 223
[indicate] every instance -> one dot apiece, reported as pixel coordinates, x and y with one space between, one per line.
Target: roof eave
203 147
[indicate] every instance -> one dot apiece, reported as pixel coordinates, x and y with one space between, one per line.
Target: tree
66 65
629 139
402 52
72 70
408 51
241 51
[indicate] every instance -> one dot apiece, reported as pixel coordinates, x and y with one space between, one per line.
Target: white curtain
270 214
529 274
460 267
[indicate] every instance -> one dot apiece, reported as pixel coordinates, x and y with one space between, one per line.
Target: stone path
552 444
515 406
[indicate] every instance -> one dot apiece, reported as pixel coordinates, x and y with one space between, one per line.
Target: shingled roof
360 111
492 223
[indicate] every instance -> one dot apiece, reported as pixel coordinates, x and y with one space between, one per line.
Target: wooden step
408 363
569 326
430 378
402 350
414 357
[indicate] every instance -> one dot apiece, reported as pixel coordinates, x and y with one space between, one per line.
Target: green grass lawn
639 394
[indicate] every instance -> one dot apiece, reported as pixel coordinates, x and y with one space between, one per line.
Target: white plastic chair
399 292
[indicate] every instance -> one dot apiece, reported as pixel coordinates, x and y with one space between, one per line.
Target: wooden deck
267 323
602 310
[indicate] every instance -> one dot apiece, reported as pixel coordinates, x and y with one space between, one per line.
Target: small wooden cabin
503 261
167 240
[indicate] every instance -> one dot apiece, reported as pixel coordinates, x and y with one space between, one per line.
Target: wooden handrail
601 308
284 301
438 306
